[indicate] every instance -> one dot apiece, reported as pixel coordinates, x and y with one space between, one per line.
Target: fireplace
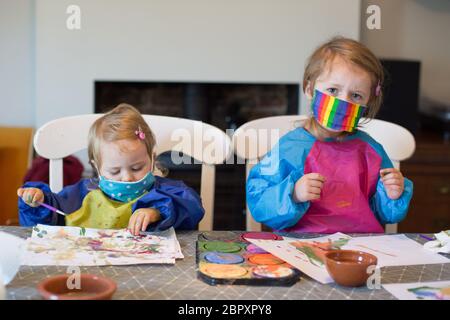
224 105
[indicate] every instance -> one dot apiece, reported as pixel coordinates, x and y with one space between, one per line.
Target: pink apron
351 169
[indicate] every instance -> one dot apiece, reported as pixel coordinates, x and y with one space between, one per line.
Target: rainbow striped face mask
334 113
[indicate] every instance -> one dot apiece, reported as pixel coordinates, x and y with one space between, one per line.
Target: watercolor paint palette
226 257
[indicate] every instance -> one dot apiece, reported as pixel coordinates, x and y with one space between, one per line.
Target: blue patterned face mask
126 191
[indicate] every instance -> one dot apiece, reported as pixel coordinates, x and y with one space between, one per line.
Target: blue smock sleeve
67 200
271 182
386 209
180 206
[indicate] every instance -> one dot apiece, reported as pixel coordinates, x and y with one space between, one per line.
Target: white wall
16 63
195 40
419 30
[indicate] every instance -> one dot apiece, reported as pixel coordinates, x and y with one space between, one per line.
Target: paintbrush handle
51 208
426 237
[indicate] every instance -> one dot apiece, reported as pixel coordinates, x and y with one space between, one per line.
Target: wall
16 63
419 30
198 40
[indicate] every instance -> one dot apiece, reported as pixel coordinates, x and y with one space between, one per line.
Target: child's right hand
31 195
308 187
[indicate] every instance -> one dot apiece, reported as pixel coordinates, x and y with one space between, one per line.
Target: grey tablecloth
180 281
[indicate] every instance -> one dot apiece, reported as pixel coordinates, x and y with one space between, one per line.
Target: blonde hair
353 52
122 122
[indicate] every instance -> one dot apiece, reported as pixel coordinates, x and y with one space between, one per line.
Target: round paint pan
265 259
220 236
223 271
260 236
220 246
252 248
223 258
273 271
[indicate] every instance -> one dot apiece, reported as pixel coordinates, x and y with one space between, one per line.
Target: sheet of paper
75 246
11 252
438 290
308 255
395 250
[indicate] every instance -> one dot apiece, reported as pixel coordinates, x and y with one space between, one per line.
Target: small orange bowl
92 287
349 268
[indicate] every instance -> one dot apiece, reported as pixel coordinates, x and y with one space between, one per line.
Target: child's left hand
141 218
393 182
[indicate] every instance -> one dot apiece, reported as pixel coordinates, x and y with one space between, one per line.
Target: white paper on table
11 252
75 246
437 290
391 250
395 250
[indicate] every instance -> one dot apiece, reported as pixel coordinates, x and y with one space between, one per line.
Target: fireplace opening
224 105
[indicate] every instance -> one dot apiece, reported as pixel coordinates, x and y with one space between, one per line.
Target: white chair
205 143
398 142
254 139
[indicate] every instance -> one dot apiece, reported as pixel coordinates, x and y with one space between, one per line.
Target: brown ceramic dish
92 288
349 268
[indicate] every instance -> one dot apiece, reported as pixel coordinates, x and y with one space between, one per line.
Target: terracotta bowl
92 287
349 268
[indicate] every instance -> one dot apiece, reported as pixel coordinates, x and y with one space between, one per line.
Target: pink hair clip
140 134
378 89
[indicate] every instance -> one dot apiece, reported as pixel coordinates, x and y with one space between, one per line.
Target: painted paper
78 246
438 290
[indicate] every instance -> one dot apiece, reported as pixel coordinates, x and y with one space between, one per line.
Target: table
179 281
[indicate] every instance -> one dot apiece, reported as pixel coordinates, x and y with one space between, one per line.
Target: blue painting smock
179 206
353 197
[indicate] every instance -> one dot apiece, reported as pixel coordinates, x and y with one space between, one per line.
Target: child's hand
393 182
141 218
308 187
31 195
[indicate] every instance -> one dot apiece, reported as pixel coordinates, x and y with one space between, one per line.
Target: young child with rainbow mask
126 194
330 176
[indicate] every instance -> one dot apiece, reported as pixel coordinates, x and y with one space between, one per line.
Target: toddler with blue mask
126 193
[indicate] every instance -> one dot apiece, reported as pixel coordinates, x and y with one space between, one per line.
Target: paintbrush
425 237
50 208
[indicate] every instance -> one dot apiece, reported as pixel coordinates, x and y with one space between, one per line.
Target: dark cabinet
429 169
